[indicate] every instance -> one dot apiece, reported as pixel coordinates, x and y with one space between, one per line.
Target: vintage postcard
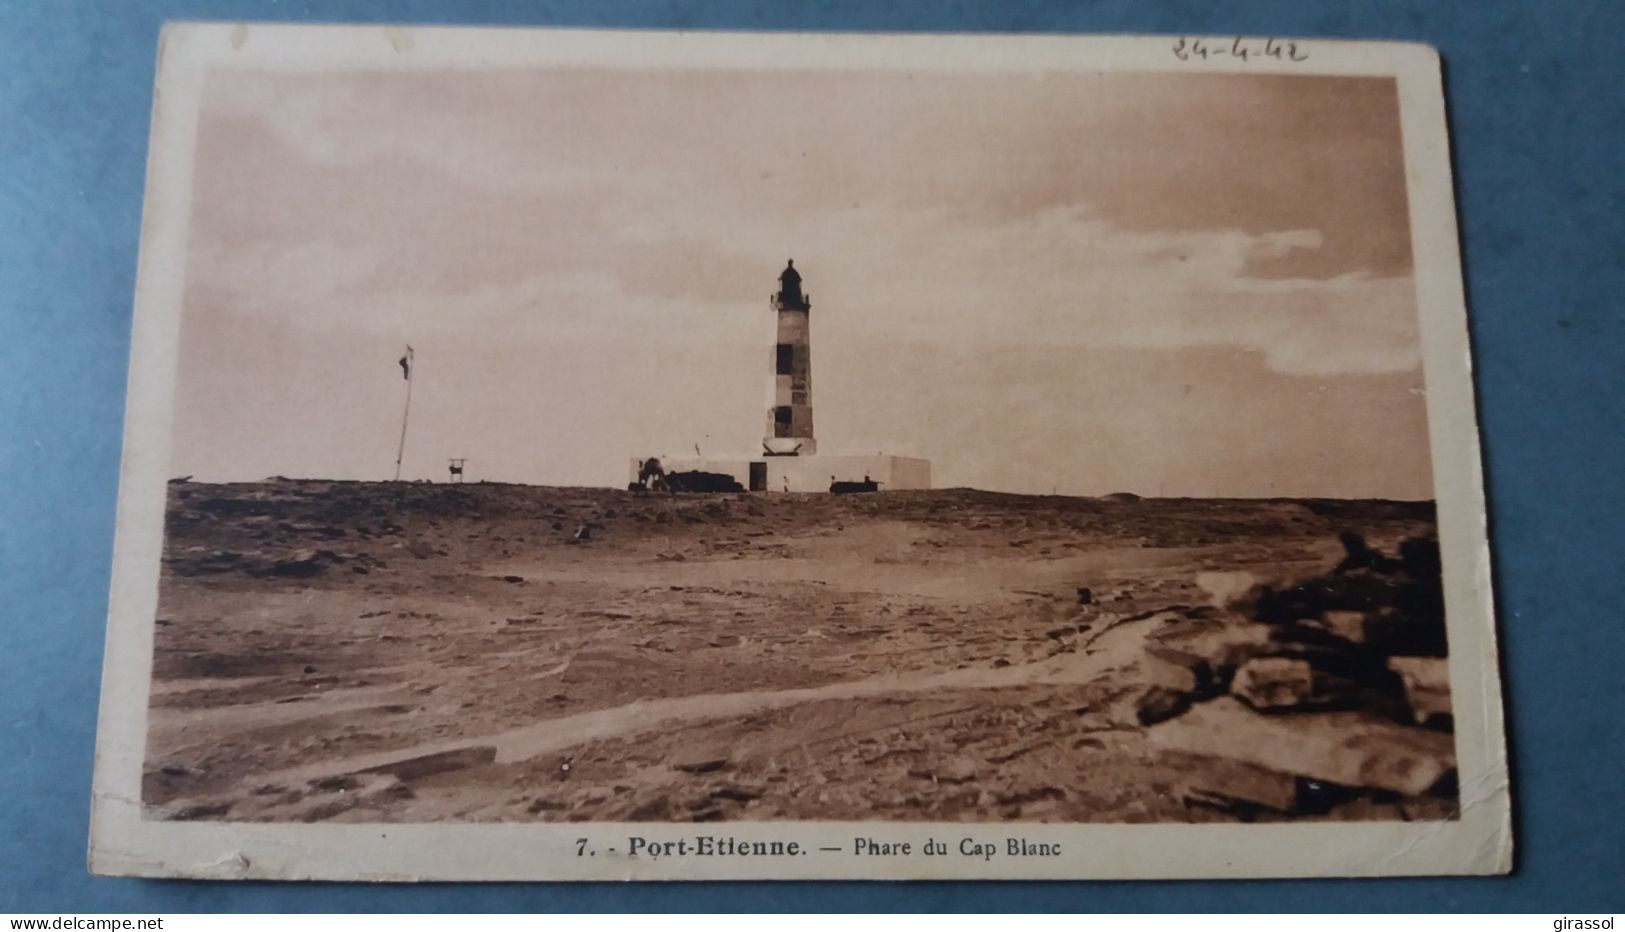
482 517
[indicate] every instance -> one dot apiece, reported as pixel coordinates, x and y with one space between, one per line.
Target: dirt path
1110 650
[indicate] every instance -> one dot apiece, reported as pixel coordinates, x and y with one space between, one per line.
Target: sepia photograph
484 480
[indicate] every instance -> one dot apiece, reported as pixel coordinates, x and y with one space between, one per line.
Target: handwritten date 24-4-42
1245 49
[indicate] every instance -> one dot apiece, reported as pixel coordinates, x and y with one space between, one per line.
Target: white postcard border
123 842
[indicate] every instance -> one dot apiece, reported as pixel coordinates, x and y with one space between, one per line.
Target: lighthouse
788 459
790 420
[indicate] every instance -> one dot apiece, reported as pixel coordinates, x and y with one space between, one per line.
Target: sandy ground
411 653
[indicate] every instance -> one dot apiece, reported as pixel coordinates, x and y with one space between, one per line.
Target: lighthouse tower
790 420
788 461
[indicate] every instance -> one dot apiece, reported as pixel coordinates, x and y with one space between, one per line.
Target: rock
592 796
654 810
1427 688
1319 797
1172 669
1086 596
1288 684
1031 798
1232 786
414 768
1279 793
1269 684
1160 703
1243 809
1227 588
1218 643
300 563
1420 557
1358 555
1353 749
954 770
202 812
736 793
699 764
1396 634
1348 625
1332 658
1009 752
338 784
1362 591
1388 606
513 579
1200 657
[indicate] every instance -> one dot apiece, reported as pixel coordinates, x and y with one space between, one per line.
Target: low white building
802 473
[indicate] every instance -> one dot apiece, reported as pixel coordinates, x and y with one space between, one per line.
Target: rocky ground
411 652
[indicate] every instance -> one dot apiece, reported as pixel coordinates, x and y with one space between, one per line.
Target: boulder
1219 643
1270 684
1291 684
1336 660
1358 555
415 768
1159 703
1360 590
738 793
699 763
958 769
1232 786
1173 669
1406 635
301 563
1199 674
1427 688
1348 625
1351 749
1389 606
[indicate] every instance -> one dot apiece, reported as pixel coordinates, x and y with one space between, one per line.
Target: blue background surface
1538 117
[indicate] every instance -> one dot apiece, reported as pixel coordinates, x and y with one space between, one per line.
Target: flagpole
400 451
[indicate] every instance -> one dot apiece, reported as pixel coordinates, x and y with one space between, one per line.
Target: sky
1195 285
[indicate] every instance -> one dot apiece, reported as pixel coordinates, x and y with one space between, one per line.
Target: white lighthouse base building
816 473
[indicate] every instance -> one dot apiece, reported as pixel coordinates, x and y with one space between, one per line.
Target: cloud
881 272
595 241
884 272
369 119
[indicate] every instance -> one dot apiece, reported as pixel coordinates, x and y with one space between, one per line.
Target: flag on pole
406 410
